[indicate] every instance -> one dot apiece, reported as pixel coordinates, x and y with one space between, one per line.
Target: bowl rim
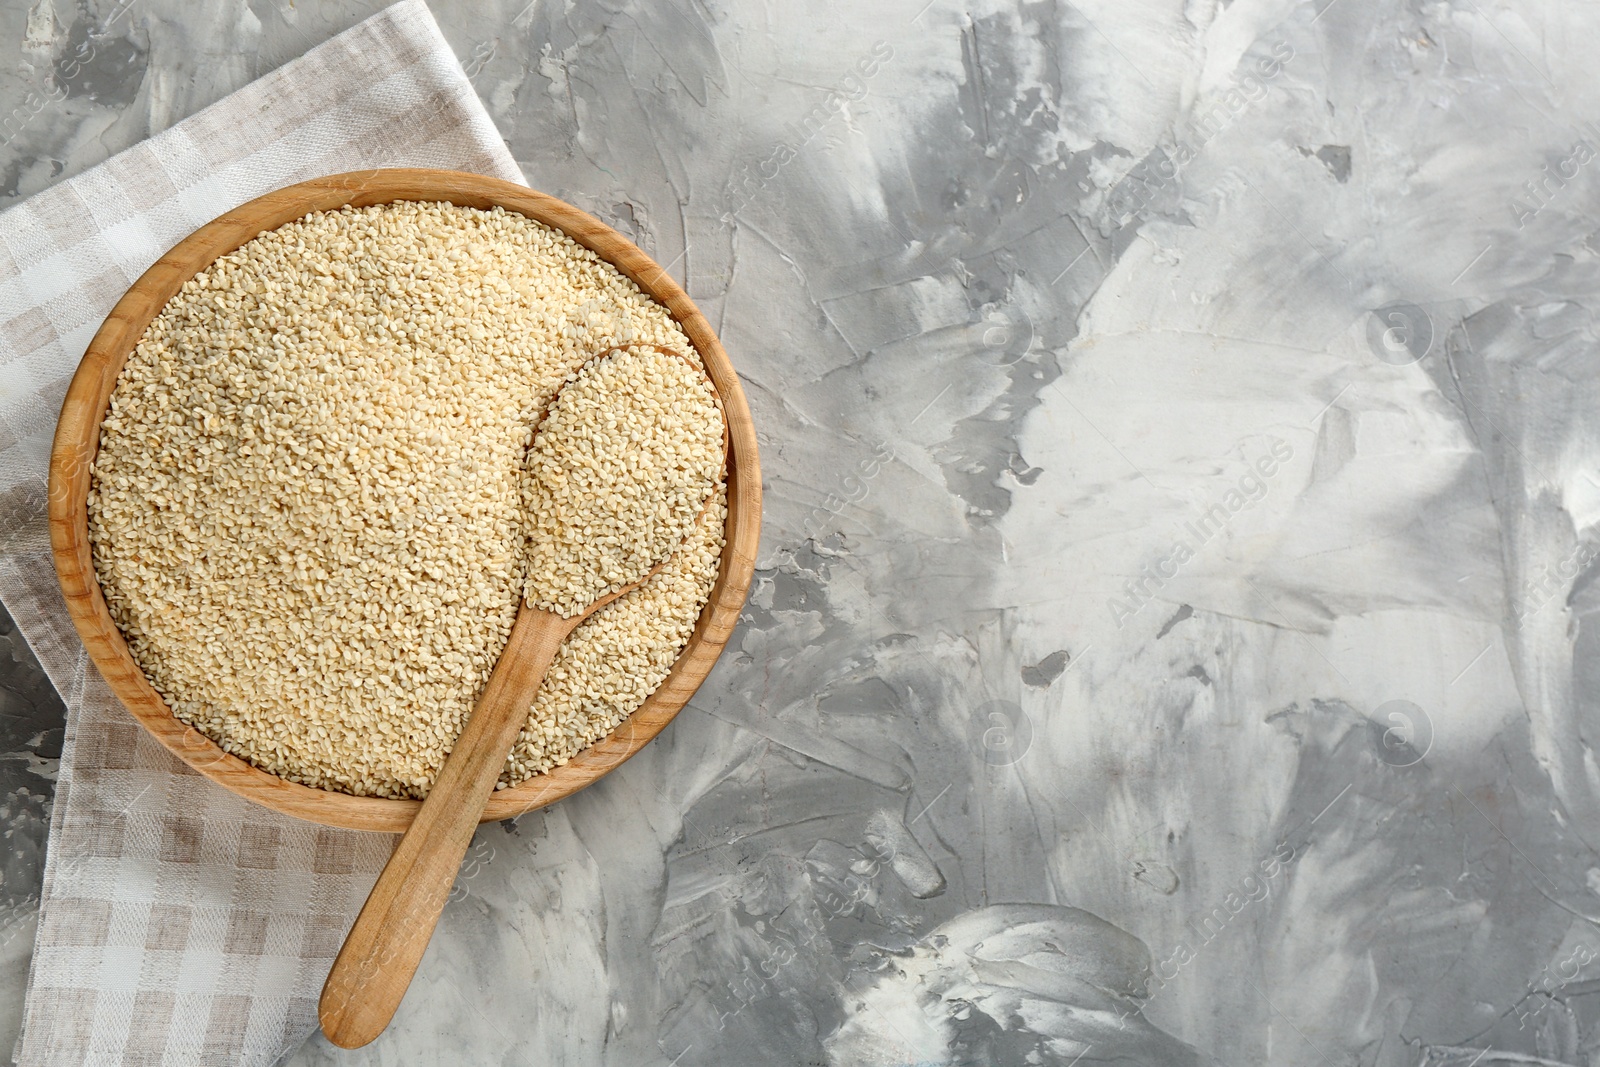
77 440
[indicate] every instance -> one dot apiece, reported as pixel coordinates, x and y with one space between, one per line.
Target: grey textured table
1182 508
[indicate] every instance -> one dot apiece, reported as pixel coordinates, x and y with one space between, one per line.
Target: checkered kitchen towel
180 924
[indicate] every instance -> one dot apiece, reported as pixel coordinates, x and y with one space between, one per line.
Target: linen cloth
180 924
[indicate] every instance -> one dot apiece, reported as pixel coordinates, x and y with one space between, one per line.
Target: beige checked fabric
180 924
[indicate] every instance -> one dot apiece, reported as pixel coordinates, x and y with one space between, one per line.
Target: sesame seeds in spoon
622 465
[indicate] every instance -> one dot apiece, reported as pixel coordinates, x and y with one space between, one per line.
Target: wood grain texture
77 439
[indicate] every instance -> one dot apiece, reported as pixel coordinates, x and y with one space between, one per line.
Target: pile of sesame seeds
307 511
617 474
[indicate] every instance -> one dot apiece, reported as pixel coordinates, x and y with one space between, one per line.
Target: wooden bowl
78 437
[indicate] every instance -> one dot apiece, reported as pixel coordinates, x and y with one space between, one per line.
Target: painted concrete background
1175 633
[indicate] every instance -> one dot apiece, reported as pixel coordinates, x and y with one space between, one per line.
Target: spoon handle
381 952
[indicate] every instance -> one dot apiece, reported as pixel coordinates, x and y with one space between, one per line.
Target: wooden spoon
381 953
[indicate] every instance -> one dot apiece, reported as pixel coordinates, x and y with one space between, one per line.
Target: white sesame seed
307 513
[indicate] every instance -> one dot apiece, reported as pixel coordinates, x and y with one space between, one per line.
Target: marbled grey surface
1174 638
